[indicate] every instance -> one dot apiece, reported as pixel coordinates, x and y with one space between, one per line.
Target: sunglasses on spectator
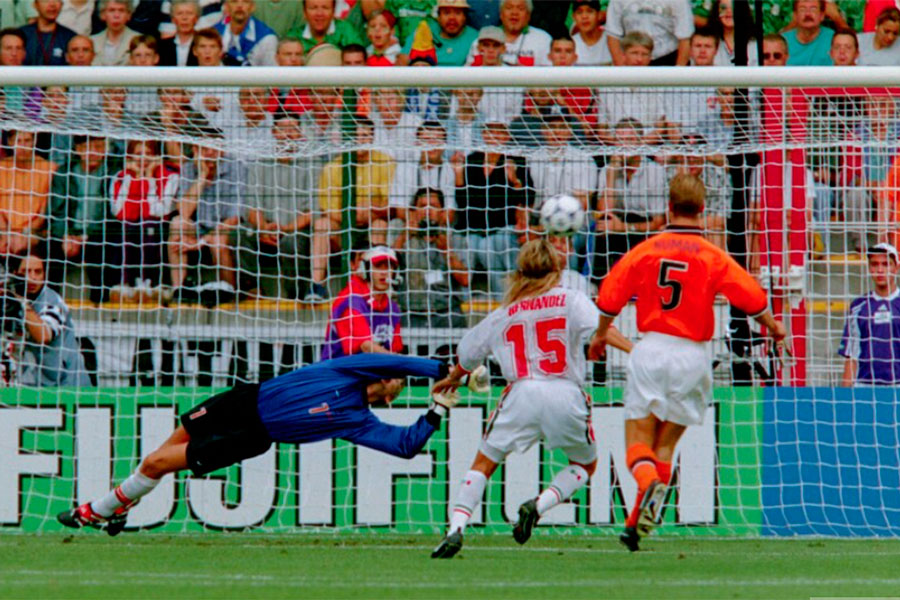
773 55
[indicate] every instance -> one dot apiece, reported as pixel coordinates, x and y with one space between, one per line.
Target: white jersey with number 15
535 338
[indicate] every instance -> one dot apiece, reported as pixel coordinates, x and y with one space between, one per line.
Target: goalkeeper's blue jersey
329 400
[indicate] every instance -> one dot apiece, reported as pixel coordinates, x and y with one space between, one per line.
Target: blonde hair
538 272
687 195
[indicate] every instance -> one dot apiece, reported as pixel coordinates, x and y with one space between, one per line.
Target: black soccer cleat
84 516
449 546
630 539
528 518
650 514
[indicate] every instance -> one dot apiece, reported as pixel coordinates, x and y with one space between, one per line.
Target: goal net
174 240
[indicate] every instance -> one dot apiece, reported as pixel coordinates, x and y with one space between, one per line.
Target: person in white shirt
253 131
640 104
76 15
721 23
879 47
668 22
430 170
526 46
559 168
590 39
395 129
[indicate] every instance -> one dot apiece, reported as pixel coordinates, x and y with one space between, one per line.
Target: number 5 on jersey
550 340
666 268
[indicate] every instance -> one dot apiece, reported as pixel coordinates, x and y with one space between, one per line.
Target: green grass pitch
214 565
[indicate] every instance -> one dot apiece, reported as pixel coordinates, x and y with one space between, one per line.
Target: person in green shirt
280 15
451 33
321 26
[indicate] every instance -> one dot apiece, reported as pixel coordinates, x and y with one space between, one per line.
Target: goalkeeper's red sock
129 492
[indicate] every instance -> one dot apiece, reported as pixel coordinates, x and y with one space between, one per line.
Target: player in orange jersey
675 276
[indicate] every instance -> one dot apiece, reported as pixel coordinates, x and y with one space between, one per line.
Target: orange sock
665 471
642 463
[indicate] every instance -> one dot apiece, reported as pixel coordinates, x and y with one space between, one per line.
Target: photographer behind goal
44 350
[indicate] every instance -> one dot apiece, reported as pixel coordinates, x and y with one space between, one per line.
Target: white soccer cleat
479 380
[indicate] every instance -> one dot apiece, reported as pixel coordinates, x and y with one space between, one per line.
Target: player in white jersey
538 337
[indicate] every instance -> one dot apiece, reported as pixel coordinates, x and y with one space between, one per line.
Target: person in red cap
364 317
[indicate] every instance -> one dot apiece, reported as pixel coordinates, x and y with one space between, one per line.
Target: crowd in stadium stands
449 179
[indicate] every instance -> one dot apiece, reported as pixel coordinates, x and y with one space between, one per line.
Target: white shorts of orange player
531 410
670 377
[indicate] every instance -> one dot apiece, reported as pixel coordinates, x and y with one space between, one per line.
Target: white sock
131 490
468 499
567 482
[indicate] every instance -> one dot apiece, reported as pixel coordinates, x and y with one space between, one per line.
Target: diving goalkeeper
329 399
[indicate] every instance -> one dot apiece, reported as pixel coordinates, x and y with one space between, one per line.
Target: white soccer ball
562 215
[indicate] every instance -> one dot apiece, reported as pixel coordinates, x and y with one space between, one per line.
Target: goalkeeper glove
443 402
479 380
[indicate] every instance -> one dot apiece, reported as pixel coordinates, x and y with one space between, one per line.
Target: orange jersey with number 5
676 276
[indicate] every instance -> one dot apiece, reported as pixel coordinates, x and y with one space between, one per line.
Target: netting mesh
181 239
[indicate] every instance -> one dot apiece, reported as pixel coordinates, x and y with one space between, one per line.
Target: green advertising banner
62 446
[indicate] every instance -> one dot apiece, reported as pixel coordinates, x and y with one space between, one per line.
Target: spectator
395 129
80 51
499 104
24 187
353 55
372 187
641 105
12 54
523 45
115 118
142 52
280 15
453 37
880 47
176 118
591 44
246 39
871 341
434 273
579 101
493 194
253 130
78 216
77 15
632 199
14 13
321 26
705 46
55 110
873 8
175 50
49 352
217 105
383 50
465 123
321 124
775 50
281 214
429 171
668 23
211 192
710 169
46 39
142 196
295 100
558 167
722 23
112 43
210 13
876 181
810 43
364 317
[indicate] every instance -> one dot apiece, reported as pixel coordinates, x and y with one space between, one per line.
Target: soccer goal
184 230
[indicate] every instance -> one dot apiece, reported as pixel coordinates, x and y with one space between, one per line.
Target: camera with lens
12 289
428 228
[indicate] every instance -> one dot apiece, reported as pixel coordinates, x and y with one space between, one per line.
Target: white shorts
556 411
670 377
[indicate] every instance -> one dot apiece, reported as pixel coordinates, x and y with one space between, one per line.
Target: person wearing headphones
364 317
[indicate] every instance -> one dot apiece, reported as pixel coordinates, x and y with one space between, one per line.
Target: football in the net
562 215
